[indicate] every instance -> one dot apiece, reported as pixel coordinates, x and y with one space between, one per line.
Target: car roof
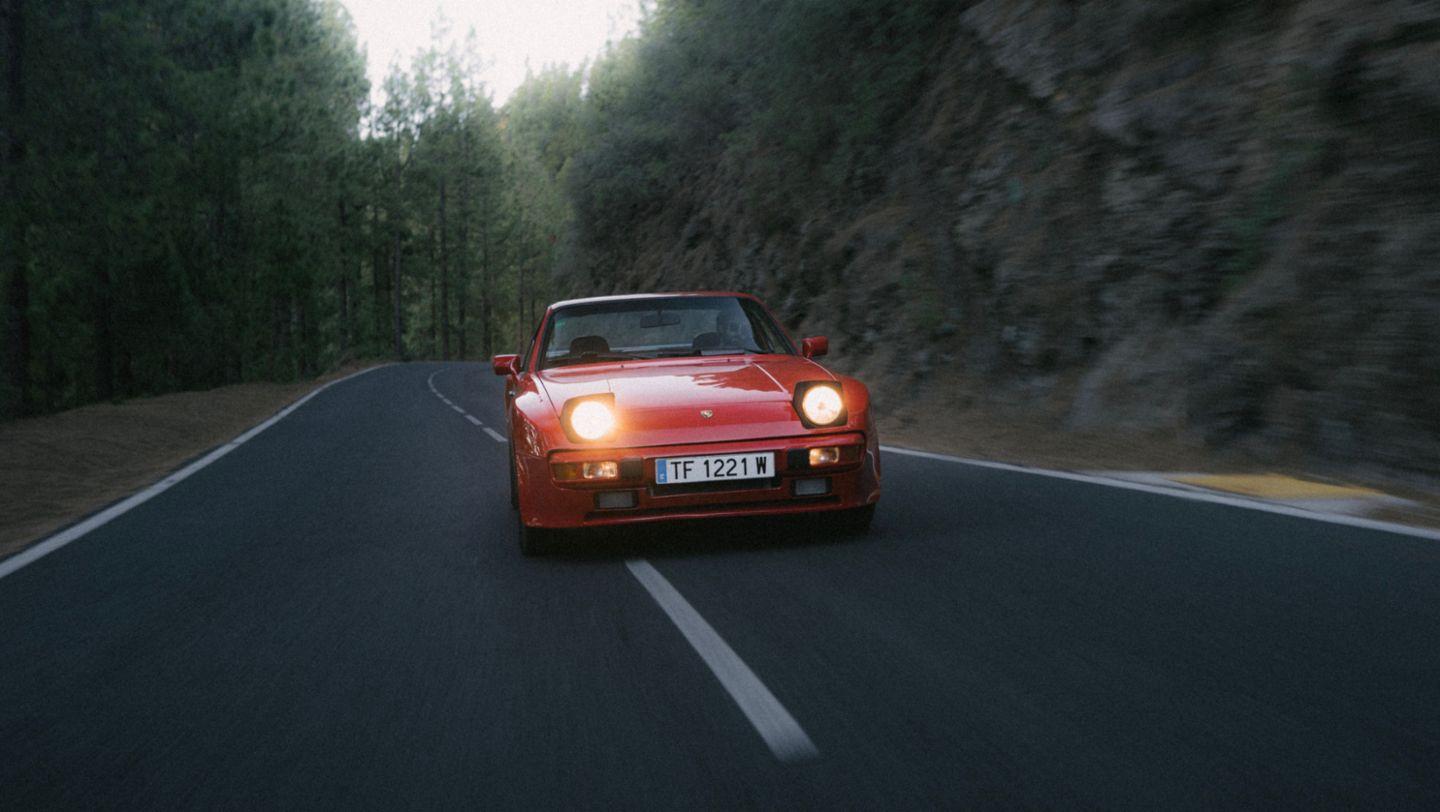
636 296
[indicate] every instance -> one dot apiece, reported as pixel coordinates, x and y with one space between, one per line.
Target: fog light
615 500
571 471
608 469
824 456
812 487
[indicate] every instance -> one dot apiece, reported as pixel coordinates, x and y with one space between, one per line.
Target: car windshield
660 328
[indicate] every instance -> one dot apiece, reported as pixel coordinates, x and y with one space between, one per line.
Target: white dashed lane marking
494 435
785 737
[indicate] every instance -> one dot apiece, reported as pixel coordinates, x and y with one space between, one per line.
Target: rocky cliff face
1216 219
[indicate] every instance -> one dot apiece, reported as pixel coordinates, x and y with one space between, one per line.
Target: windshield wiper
592 358
714 351
732 351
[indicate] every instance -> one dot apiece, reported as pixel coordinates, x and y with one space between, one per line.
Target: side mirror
814 346
506 365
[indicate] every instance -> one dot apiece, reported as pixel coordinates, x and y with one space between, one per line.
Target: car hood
659 402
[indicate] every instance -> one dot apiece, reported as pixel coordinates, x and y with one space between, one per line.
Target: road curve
335 614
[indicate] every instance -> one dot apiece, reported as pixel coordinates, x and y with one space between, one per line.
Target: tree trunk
444 281
434 309
12 211
17 319
279 319
397 323
377 280
462 253
461 296
344 286
487 347
306 338
104 348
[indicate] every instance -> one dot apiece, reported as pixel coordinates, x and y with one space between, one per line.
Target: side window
768 334
525 357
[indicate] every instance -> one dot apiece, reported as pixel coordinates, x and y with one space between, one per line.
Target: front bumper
545 502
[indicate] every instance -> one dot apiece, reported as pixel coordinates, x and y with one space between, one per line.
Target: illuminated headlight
592 420
822 405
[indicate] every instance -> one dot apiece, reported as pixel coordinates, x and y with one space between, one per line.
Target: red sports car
678 406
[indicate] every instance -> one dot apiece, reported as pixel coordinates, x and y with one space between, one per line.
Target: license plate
680 470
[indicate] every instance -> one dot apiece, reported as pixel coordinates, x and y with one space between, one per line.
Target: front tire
533 540
855 521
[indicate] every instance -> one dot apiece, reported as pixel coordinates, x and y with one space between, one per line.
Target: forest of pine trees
198 193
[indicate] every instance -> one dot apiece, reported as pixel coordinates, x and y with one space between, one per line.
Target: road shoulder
66 466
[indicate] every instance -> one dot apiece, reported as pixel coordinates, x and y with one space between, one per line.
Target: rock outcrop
1215 218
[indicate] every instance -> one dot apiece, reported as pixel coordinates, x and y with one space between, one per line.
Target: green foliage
832 77
803 93
179 170
199 193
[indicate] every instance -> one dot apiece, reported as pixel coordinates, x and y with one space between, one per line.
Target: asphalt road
336 614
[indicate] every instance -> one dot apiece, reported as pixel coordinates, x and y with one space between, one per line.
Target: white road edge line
457 408
787 740
472 419
52 543
1194 496
495 435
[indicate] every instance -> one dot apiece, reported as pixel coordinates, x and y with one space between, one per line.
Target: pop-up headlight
589 419
819 403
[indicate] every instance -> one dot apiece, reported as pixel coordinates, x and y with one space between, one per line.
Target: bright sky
510 32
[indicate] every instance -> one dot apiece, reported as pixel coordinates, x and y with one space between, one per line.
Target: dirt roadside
58 468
